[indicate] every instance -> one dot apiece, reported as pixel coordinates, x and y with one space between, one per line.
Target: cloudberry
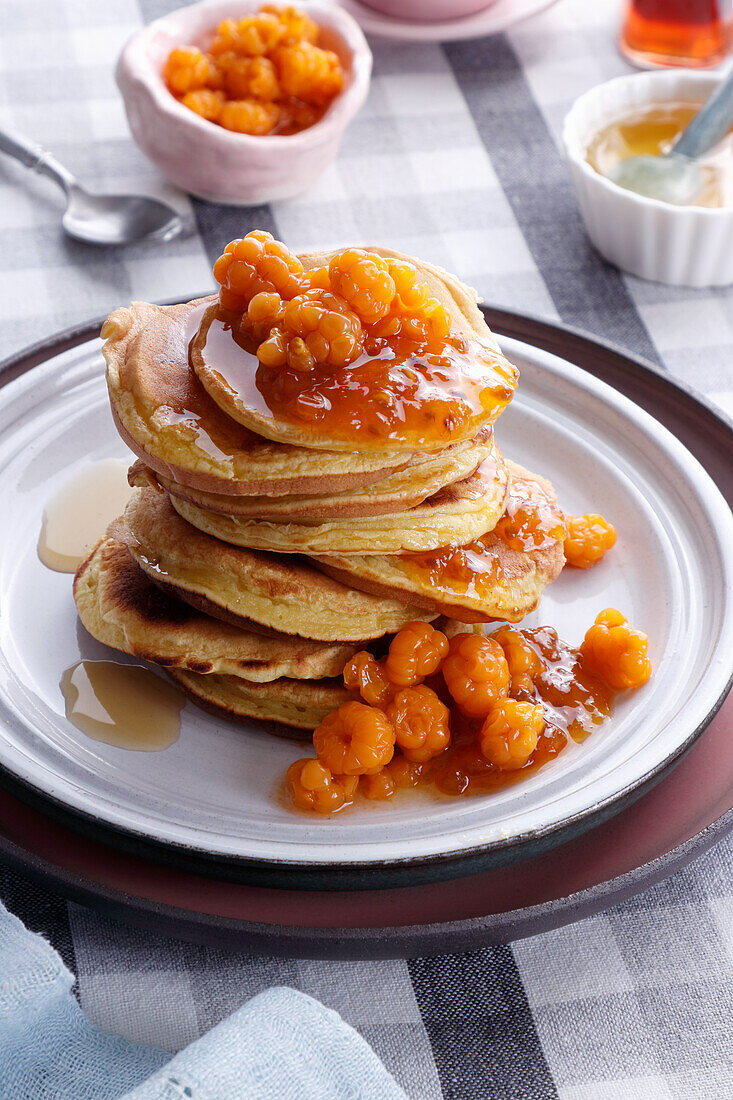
248 116
255 263
251 78
297 26
186 70
414 653
430 324
363 279
587 539
354 740
510 733
205 102
421 723
363 673
296 116
317 277
264 310
314 787
316 327
523 660
405 773
409 294
377 787
252 36
476 673
309 73
615 652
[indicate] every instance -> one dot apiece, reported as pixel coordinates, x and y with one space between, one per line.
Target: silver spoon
675 177
97 219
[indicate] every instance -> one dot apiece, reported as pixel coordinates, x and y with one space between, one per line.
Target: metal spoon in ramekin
675 177
97 219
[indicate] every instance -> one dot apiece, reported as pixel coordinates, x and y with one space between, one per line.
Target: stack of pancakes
255 557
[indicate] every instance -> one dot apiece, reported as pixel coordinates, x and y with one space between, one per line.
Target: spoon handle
35 158
710 123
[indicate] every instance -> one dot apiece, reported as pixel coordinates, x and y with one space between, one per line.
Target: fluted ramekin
680 245
217 164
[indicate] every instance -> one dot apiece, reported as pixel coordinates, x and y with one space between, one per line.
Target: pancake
165 416
493 580
458 513
227 371
122 608
290 705
260 592
396 493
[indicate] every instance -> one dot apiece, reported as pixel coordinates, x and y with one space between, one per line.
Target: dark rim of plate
704 430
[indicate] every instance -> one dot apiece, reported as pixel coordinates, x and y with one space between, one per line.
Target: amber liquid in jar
689 33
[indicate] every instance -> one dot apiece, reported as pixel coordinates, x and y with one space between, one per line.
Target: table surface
455 157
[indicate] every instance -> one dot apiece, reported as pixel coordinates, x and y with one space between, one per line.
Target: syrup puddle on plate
122 705
80 512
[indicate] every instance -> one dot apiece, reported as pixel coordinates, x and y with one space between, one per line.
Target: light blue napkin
281 1045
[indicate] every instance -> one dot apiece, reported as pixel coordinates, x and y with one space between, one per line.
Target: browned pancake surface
121 607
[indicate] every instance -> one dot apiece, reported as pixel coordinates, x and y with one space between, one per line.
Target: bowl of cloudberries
244 101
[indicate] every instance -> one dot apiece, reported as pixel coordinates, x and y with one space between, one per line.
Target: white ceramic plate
498 16
214 792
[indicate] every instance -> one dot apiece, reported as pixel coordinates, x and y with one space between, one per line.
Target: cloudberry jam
531 521
515 700
263 74
355 351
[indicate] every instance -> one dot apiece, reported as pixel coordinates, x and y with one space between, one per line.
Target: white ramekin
681 245
217 164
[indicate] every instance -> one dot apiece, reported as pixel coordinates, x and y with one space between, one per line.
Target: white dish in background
679 245
495 17
215 791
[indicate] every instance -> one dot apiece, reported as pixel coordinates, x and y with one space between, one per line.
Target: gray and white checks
454 157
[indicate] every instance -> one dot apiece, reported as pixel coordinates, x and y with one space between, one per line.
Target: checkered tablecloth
454 158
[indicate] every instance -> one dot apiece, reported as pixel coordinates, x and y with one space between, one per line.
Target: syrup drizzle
80 512
122 705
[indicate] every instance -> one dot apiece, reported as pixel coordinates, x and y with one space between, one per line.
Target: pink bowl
217 164
428 11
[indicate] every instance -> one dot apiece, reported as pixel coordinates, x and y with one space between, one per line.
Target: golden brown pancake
396 493
495 582
165 416
457 513
231 384
256 591
288 704
122 608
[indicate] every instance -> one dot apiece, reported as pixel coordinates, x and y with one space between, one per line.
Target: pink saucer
495 17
